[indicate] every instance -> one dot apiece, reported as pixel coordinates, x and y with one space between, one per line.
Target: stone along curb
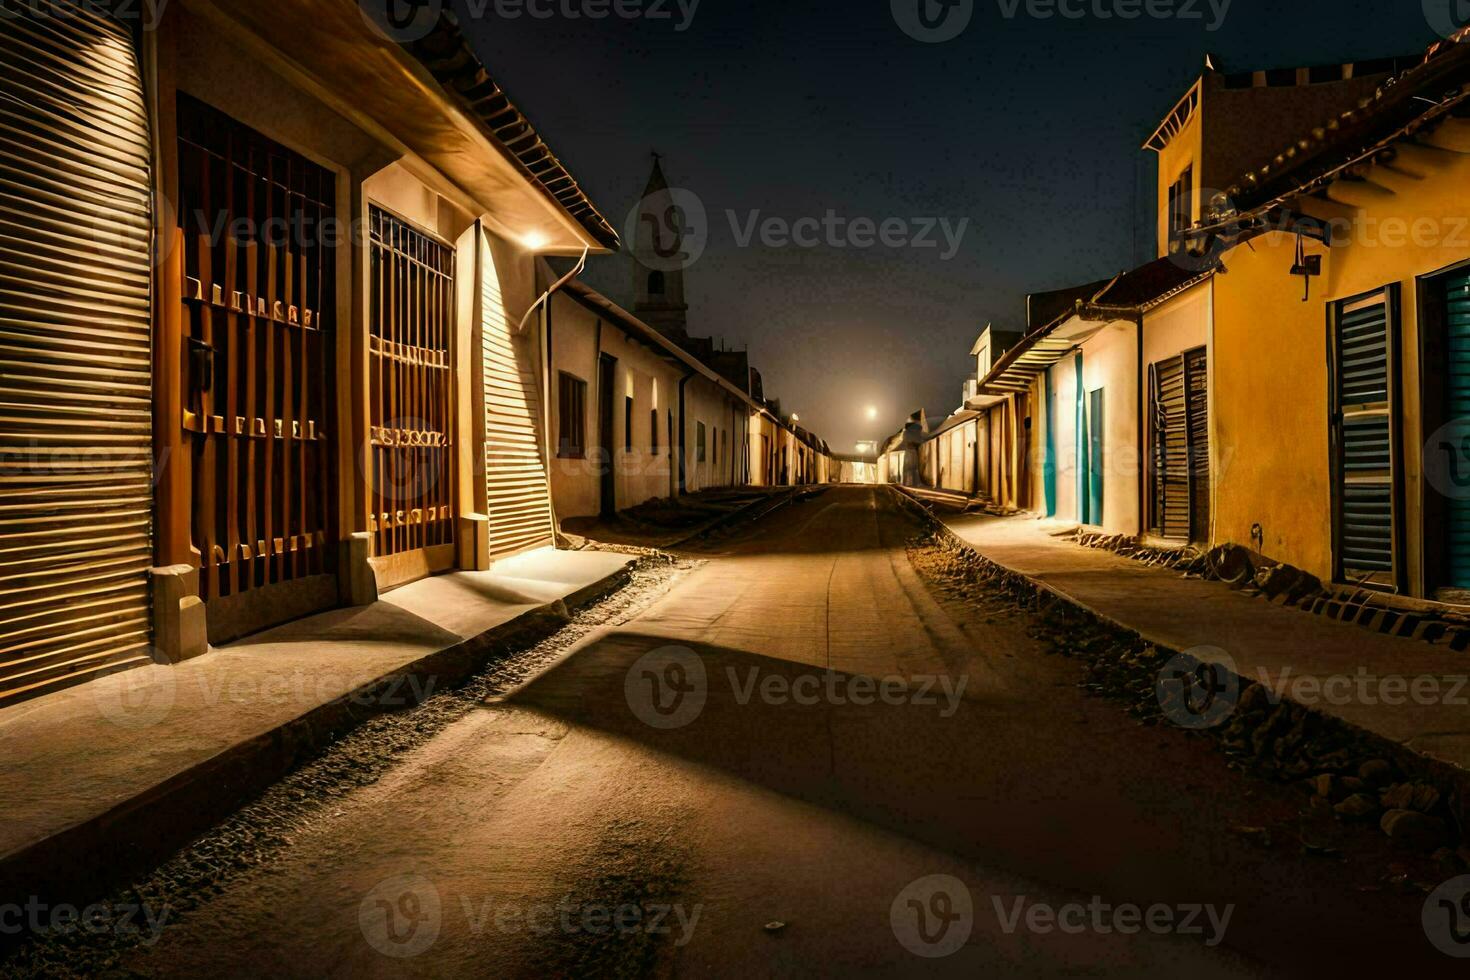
108 849
1420 802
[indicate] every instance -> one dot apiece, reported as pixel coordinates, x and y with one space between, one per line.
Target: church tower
662 247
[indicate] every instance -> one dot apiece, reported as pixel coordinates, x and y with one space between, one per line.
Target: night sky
1029 128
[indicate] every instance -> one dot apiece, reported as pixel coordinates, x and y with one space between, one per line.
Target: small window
628 424
1181 203
653 432
655 283
571 416
699 444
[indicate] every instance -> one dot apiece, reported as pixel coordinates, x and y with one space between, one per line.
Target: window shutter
1363 421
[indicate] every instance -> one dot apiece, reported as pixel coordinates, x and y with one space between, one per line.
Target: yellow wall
1407 220
1270 449
1184 150
639 474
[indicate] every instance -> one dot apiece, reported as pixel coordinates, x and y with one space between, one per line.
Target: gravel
260 831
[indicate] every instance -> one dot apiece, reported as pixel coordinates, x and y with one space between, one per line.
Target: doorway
606 437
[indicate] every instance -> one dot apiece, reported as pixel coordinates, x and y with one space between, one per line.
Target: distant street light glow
872 413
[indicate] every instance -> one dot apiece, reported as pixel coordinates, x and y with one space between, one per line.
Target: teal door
1049 460
1457 408
1095 458
1081 443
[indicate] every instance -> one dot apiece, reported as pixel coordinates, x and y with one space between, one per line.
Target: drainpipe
543 303
1142 435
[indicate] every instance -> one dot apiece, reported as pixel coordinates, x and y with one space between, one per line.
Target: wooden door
1197 418
1168 450
258 373
411 399
606 444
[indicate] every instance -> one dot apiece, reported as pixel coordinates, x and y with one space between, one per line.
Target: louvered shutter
1363 419
1197 418
518 496
1170 449
75 395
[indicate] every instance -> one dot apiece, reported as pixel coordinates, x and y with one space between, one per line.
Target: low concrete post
474 542
180 629
359 582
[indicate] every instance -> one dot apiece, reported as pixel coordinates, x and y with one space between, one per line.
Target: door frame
1433 414
607 374
401 568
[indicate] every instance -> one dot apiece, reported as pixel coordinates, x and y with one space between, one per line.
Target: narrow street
761 825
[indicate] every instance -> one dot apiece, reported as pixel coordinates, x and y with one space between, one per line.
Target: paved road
719 787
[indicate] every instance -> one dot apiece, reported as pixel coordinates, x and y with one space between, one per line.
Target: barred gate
257 364
411 377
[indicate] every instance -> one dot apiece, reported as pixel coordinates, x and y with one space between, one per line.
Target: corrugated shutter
75 396
1457 302
1170 449
518 496
1197 412
1365 530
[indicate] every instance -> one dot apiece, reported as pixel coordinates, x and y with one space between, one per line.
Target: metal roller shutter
75 396
518 494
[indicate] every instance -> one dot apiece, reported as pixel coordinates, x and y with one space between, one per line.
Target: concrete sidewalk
1266 642
113 775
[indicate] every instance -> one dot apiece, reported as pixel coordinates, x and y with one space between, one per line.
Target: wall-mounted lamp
1306 266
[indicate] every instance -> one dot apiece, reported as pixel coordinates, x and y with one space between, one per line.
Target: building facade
305 252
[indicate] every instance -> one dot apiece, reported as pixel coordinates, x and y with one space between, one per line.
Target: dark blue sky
1029 128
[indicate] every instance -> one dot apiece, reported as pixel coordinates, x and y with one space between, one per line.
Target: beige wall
1109 364
763 444
723 466
639 474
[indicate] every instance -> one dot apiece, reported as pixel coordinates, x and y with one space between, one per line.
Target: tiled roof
1398 108
1148 285
447 55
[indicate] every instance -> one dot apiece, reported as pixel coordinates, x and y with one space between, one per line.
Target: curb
739 515
107 850
1408 760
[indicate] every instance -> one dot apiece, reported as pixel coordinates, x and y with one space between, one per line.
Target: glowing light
534 240
872 413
